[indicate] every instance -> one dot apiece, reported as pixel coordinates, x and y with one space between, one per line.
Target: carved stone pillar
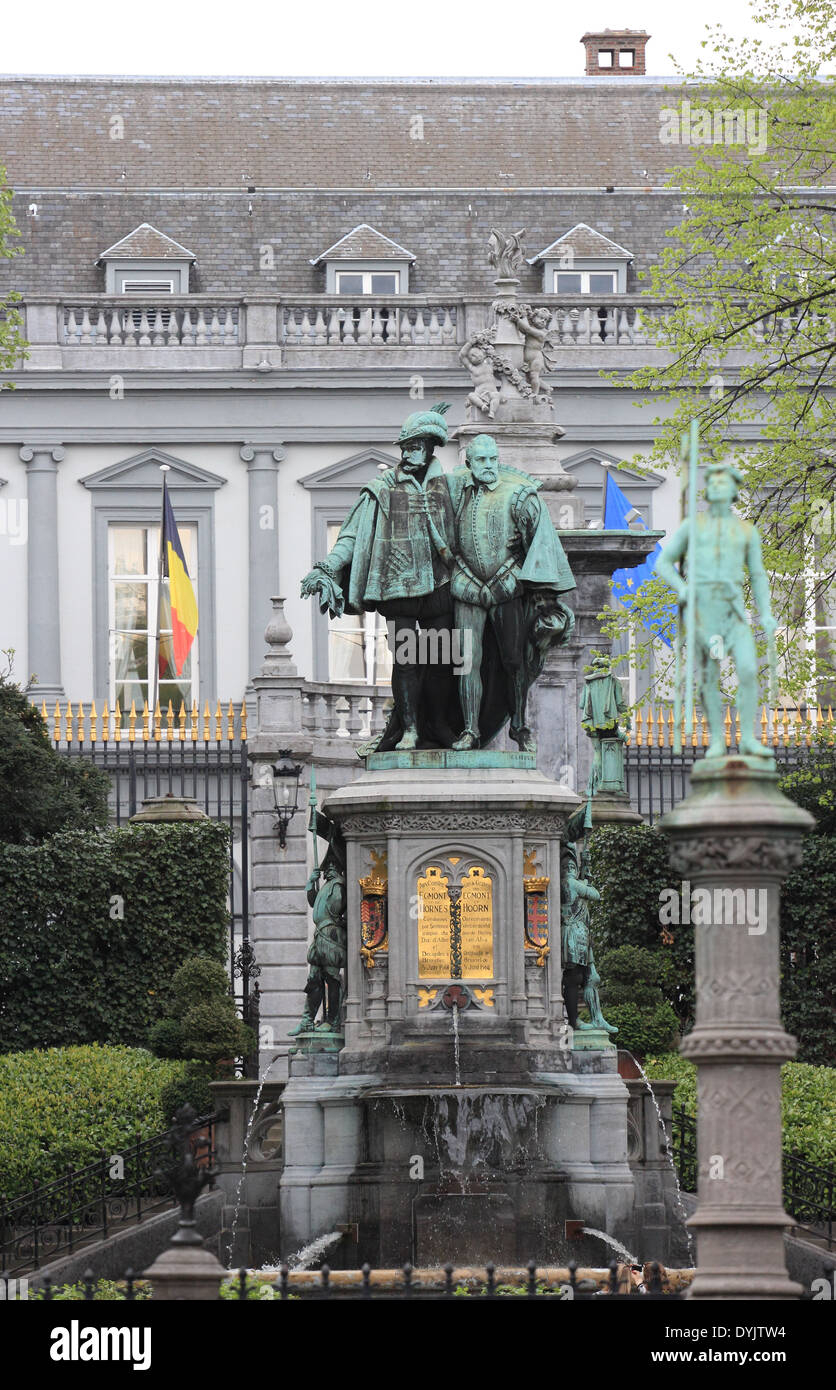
733 841
44 655
262 463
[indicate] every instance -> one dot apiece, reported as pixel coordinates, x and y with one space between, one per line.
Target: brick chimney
615 51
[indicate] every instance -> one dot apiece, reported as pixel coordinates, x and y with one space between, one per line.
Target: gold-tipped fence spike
132 723
157 722
206 717
230 722
243 721
105 723
639 730
737 728
728 723
94 723
694 728
56 718
44 715
181 719
194 720
218 722
671 734
660 727
79 723
786 727
117 723
145 721
169 722
764 725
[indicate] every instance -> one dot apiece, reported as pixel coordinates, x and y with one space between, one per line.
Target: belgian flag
182 601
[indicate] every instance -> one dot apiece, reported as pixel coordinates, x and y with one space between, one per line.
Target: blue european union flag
627 582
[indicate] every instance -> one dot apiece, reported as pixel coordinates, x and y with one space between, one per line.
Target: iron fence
809 1190
659 777
652 1282
90 1202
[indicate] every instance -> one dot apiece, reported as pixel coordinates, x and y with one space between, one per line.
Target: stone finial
506 253
278 635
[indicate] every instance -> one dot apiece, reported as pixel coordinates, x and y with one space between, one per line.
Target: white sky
347 38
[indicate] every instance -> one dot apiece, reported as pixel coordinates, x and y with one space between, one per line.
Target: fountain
445 868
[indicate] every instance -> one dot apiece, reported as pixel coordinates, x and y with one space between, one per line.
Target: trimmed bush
64 1106
191 1087
201 1022
808 1103
93 926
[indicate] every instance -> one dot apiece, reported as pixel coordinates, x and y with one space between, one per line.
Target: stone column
736 837
44 655
262 464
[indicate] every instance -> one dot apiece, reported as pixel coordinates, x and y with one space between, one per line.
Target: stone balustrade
306 331
146 322
342 710
331 321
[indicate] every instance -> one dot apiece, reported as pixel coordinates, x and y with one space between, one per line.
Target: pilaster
44 656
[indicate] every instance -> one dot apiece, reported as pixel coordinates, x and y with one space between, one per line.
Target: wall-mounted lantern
285 792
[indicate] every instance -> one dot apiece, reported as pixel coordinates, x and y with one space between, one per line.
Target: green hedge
94 924
629 867
808 1103
63 1106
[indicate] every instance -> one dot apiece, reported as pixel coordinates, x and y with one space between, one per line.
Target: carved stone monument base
733 840
457 1122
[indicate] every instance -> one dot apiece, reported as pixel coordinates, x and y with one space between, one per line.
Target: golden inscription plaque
476 919
434 925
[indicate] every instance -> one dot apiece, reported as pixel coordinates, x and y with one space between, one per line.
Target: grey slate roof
584 242
224 133
324 157
364 243
146 243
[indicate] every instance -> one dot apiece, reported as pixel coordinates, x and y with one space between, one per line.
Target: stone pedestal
457 1123
735 838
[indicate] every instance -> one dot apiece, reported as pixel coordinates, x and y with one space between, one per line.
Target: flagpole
164 468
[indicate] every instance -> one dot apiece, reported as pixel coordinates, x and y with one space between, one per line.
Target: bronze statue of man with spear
718 549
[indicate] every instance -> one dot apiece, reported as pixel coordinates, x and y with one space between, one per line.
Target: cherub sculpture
477 357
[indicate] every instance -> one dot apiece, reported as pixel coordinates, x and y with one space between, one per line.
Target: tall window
357 646
134 602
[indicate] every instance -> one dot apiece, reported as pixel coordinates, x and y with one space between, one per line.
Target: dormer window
585 281
365 262
368 282
146 261
584 261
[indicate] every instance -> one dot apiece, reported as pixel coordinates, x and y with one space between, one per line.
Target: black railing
659 777
89 1203
809 1196
650 1283
809 1190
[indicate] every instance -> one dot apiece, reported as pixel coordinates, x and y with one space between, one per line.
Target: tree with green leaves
12 344
749 275
42 791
